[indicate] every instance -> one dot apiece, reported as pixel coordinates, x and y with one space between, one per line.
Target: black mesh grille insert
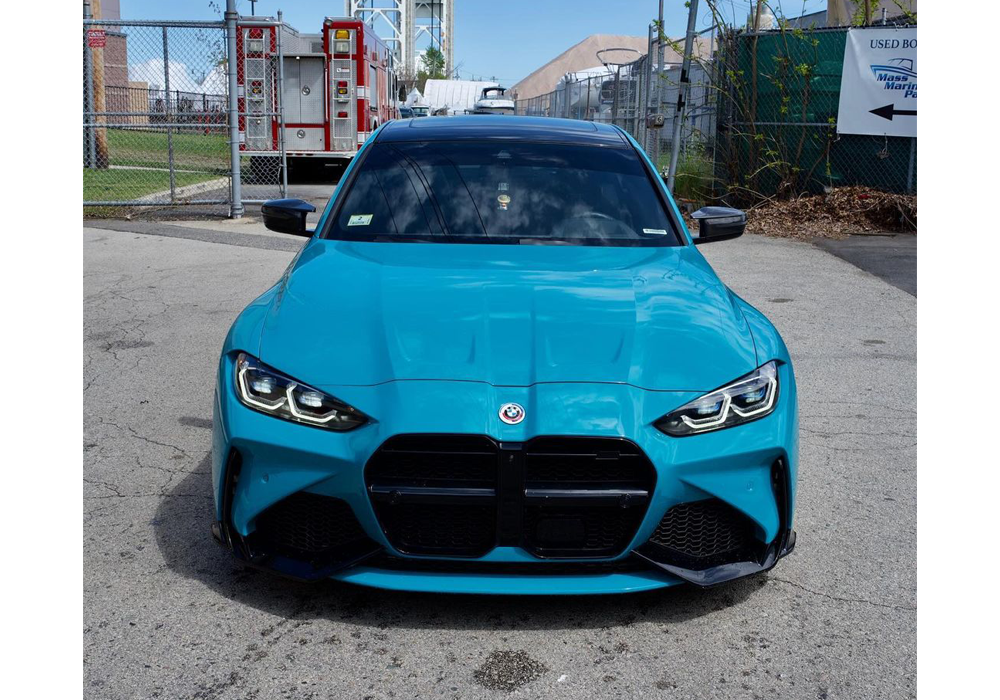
590 531
589 465
428 460
445 462
460 495
307 524
431 529
706 530
586 461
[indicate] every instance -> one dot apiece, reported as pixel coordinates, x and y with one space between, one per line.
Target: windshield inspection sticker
360 219
655 231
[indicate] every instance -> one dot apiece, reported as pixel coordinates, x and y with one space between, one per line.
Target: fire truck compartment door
304 138
302 93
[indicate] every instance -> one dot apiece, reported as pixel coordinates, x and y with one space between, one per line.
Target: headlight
263 389
749 398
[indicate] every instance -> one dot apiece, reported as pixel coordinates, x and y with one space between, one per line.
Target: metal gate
157 119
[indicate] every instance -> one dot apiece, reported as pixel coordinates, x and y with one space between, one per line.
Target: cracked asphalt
169 615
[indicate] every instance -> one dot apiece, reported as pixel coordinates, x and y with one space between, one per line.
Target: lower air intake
705 532
306 525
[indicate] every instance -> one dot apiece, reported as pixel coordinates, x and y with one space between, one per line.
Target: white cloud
151 72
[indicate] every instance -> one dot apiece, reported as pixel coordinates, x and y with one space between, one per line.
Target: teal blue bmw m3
500 364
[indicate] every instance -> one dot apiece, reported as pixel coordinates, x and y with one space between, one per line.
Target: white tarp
414 98
878 91
458 96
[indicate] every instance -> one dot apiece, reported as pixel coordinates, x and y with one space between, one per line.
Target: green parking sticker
360 220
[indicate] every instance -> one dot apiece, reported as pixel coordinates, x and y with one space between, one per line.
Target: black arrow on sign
889 111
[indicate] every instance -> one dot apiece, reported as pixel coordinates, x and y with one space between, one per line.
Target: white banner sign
878 91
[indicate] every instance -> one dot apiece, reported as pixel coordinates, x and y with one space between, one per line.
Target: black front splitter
722 573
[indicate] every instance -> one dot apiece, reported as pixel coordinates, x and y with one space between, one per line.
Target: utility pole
648 79
100 102
659 70
756 16
682 89
89 143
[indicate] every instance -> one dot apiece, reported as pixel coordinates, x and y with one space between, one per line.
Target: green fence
778 94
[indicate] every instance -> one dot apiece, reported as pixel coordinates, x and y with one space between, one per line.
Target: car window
503 192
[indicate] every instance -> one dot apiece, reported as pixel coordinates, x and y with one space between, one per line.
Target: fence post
281 111
682 92
909 172
236 206
166 113
614 101
646 111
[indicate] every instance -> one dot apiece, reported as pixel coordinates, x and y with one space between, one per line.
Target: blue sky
503 38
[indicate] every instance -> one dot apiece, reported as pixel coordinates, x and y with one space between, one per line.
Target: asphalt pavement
892 257
168 614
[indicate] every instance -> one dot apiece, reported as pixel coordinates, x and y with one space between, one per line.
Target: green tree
433 63
432 66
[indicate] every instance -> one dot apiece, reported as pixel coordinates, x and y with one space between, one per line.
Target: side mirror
287 216
719 224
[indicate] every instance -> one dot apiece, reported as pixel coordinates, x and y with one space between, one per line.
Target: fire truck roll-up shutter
343 98
302 92
302 98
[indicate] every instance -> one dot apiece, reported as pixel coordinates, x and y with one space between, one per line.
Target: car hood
351 313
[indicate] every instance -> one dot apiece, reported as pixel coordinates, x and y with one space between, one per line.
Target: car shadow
182 533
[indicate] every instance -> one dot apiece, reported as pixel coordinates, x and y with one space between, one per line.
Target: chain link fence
779 94
263 170
626 95
156 127
759 120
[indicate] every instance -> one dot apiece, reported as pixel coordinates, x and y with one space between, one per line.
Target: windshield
503 192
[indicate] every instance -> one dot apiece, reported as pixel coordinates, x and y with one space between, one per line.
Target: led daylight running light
296 402
742 401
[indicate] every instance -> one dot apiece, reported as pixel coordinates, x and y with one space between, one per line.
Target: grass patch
128 185
695 175
193 149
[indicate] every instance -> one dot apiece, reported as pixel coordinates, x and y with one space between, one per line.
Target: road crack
893 606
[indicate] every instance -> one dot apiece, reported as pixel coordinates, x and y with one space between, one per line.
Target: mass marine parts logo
897 74
511 413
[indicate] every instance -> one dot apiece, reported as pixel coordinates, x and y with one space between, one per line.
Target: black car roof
481 127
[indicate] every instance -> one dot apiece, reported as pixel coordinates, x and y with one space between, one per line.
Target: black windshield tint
496 192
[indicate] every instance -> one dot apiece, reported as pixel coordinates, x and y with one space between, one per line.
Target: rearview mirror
287 216
718 224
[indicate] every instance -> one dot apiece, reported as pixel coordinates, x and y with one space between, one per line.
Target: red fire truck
336 88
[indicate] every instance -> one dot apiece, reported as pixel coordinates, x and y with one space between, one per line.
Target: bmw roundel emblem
512 413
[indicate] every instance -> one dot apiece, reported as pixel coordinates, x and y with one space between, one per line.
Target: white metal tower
409 26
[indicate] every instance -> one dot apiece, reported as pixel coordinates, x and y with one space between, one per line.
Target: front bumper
260 461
